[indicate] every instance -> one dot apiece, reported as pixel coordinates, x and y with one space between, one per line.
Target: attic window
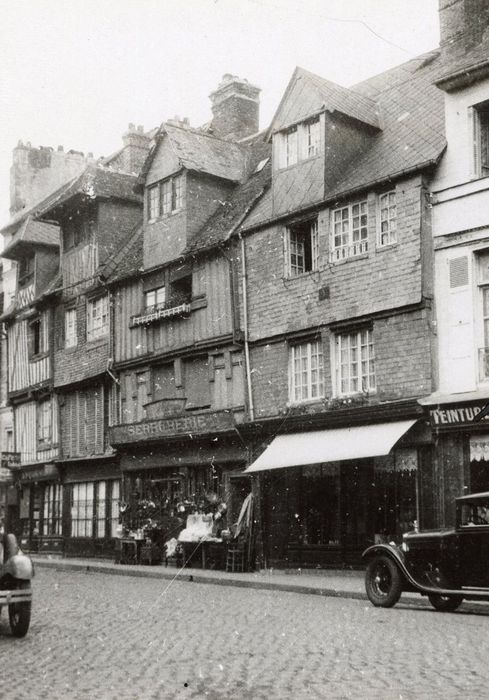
165 197
299 143
26 271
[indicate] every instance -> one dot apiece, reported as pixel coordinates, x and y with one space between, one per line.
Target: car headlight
405 546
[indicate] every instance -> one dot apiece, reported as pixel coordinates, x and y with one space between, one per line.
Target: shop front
182 487
38 517
328 494
90 506
461 451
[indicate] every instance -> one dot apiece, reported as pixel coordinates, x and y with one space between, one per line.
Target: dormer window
298 143
166 197
26 271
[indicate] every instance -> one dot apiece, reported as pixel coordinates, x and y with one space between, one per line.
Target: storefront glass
52 511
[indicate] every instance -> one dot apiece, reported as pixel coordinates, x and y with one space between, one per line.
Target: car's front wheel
445 603
19 614
383 582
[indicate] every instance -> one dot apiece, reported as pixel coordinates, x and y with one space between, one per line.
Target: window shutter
286 235
473 126
457 343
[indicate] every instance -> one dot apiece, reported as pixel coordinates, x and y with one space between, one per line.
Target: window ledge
301 276
387 246
361 256
299 162
39 356
44 447
92 344
162 217
306 402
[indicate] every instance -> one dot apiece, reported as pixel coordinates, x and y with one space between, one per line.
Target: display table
128 550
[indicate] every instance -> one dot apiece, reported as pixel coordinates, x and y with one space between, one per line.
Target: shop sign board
199 424
43 471
9 460
456 417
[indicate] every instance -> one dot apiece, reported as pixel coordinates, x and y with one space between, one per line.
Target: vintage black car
448 566
16 572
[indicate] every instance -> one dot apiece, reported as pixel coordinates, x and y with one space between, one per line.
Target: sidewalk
333 583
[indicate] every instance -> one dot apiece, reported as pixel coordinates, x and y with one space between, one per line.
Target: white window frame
354 362
296 261
166 196
71 337
44 422
82 509
52 510
306 372
349 225
155 297
97 318
480 139
311 138
177 192
298 143
387 210
153 202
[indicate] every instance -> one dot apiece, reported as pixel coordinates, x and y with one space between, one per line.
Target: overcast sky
76 72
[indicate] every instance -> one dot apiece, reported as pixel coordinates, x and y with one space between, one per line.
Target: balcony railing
179 306
348 251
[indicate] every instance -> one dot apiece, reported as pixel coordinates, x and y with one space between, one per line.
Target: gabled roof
199 151
94 182
411 110
30 234
327 96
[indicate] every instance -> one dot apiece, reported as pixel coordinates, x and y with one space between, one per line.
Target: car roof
474 496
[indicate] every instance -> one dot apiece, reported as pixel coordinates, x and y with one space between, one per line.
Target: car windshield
473 514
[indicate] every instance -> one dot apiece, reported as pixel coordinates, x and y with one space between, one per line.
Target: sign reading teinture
462 415
166 427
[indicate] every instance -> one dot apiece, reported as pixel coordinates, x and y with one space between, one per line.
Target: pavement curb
193 576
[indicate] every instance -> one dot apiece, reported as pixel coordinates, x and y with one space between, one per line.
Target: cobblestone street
101 636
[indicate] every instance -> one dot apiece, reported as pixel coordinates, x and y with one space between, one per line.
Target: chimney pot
141 128
235 108
131 126
61 148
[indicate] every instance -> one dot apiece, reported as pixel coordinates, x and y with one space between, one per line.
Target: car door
474 556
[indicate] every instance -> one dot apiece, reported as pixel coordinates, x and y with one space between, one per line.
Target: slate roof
412 135
94 181
32 233
345 100
128 261
462 65
200 151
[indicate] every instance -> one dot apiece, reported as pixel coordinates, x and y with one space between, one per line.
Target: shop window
115 495
71 338
97 318
26 271
480 128
354 359
318 518
52 512
44 422
95 509
82 504
306 371
197 386
387 233
350 231
301 248
100 509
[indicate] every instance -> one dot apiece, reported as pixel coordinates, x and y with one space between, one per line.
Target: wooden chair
236 556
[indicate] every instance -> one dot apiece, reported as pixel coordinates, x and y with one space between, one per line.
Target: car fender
19 566
393 552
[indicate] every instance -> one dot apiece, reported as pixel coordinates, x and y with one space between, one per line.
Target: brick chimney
235 108
136 145
463 24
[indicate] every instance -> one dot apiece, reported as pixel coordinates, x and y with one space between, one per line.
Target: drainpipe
245 324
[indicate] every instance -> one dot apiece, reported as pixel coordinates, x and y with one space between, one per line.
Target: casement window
52 510
306 371
311 139
155 297
479 115
350 231
153 202
44 422
97 318
71 338
298 143
26 271
387 219
354 362
301 248
38 335
165 197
